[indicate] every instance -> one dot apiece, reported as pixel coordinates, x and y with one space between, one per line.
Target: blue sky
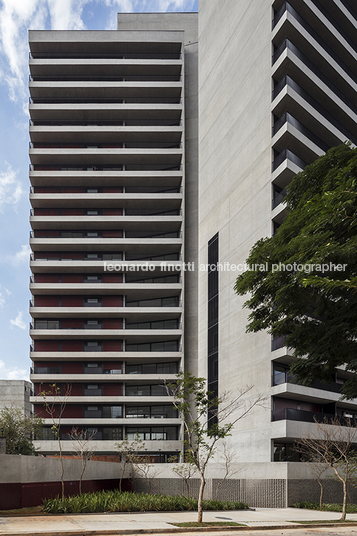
16 18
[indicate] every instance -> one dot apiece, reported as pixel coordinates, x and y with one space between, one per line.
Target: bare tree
145 469
229 458
83 448
333 444
206 420
186 471
55 402
127 451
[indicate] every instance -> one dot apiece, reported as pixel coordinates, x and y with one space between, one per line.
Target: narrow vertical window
212 346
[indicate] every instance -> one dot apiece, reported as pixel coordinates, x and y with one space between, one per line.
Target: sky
16 18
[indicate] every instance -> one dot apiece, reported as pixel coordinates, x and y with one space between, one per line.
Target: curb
170 530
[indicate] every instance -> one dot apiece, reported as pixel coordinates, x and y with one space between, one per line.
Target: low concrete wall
27 480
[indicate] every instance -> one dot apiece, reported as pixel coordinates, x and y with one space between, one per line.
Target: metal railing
286 154
107 55
278 198
288 81
287 44
300 415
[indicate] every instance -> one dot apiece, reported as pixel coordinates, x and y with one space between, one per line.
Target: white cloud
13 373
66 14
10 187
129 6
2 300
18 322
20 257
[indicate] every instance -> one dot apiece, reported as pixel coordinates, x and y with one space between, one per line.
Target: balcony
286 154
300 415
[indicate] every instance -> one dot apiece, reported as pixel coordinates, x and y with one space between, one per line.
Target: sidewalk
159 522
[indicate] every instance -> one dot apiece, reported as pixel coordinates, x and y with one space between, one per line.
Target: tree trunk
200 499
343 517
321 492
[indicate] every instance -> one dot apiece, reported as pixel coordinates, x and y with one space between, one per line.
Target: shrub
351 508
116 501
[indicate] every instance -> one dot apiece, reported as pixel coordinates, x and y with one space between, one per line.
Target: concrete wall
235 193
39 469
16 393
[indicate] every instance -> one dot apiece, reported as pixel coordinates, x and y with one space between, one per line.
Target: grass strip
324 521
209 524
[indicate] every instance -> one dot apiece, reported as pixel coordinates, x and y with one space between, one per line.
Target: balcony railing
288 7
106 122
120 190
300 415
288 81
278 198
288 118
280 377
107 55
41 167
278 342
288 155
95 235
287 44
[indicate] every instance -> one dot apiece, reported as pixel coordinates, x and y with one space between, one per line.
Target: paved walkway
160 522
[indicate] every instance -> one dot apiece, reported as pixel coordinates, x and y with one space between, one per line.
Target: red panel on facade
72 368
113 365
72 278
112 278
72 301
112 346
46 346
72 255
77 389
112 324
72 346
112 190
46 278
72 212
47 211
112 234
45 234
46 364
40 411
112 301
73 411
72 190
112 389
112 212
72 324
46 301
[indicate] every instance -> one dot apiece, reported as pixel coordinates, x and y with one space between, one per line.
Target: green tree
207 420
19 430
313 305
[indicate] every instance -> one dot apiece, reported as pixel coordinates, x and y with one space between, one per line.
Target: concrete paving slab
143 522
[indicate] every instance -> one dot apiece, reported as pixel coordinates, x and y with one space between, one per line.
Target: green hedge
116 501
351 508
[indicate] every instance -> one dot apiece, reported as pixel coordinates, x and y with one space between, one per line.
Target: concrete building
16 394
114 124
111 115
277 87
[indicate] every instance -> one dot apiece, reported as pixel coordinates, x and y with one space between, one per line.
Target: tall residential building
277 88
111 115
115 178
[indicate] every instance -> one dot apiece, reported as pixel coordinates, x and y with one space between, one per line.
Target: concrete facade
16 393
112 114
275 92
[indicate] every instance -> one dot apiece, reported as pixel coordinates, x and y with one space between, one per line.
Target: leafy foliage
351 508
316 310
116 501
19 430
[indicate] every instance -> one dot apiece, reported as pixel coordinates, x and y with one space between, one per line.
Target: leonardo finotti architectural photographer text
224 267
